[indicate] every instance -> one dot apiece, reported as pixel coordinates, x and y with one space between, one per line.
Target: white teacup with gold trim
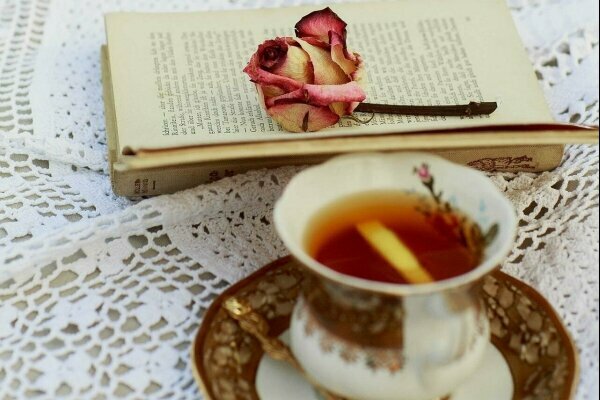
369 340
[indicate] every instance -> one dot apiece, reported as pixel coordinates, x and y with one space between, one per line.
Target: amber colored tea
445 241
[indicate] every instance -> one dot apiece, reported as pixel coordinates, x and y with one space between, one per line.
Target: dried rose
307 83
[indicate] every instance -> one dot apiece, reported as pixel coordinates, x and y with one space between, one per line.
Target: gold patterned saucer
531 355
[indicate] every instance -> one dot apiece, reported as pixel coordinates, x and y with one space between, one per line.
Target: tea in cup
395 246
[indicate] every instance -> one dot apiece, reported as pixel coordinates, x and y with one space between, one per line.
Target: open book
180 111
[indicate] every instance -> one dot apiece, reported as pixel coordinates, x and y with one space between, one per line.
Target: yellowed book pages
174 175
178 81
422 141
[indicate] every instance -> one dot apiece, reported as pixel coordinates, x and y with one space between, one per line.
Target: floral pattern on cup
375 358
449 220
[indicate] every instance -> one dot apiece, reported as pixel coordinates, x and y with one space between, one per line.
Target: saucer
530 356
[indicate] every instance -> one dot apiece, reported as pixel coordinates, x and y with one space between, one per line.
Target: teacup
369 340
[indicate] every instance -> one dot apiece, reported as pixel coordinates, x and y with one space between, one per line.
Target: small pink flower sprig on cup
424 175
308 82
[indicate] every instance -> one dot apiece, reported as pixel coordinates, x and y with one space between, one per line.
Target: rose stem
473 108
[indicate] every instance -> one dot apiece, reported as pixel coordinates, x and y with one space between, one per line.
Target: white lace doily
100 296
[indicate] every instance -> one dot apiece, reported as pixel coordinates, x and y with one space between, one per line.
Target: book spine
155 181
150 182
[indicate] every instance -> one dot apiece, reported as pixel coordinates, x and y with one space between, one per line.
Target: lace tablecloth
100 296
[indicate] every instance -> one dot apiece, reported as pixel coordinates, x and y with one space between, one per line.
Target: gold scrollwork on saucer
525 329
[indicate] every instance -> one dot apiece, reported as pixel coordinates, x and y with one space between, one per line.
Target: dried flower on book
306 83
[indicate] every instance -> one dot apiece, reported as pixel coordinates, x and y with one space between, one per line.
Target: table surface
100 296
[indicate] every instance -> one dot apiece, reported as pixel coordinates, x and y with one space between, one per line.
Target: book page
178 80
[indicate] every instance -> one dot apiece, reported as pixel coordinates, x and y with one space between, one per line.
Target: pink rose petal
338 53
297 117
327 94
351 107
263 77
297 96
321 95
339 108
326 71
319 23
360 78
270 91
272 52
297 66
316 42
359 75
